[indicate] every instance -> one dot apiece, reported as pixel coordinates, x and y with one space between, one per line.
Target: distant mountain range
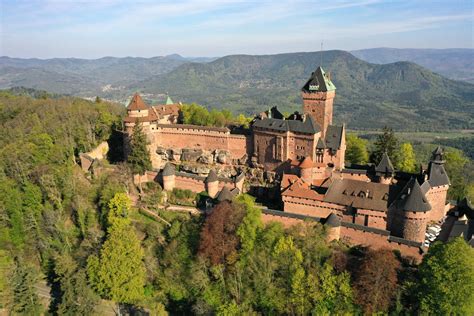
453 63
401 94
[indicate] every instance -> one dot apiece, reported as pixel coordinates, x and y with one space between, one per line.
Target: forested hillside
402 95
453 63
72 244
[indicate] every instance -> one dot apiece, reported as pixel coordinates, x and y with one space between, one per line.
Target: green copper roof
319 82
169 101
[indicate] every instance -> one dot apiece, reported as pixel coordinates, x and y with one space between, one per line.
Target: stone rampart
352 233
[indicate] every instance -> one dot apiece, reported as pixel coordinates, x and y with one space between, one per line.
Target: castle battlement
307 151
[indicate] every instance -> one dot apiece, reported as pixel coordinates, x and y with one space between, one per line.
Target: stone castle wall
437 198
356 235
320 106
178 137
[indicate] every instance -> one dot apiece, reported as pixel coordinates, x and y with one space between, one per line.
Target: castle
306 152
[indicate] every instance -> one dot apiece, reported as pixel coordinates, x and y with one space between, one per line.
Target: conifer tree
25 298
139 156
386 142
118 273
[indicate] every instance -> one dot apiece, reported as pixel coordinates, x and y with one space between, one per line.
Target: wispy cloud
215 27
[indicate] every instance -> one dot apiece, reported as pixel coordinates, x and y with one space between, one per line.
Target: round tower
137 112
333 227
212 184
415 208
306 170
169 175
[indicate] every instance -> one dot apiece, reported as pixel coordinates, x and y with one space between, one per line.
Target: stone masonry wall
355 237
437 198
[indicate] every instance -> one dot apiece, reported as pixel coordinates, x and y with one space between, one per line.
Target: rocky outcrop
206 158
222 156
201 170
191 155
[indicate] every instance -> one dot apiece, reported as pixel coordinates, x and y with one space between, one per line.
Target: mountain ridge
457 63
368 96
250 83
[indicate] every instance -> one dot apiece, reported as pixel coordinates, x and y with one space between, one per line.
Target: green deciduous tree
446 284
356 150
330 293
251 223
386 142
455 168
407 160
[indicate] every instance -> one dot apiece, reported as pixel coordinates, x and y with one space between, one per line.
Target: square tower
318 95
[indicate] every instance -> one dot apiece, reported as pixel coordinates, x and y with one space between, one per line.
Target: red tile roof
287 180
137 103
166 109
302 189
306 163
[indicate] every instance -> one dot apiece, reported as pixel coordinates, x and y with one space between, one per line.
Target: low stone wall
188 183
353 234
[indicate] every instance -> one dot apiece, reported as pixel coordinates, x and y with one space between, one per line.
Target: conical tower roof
437 155
169 170
137 103
320 144
385 165
169 101
415 200
319 82
211 177
224 195
333 220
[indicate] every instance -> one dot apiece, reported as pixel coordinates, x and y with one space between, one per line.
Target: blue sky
92 29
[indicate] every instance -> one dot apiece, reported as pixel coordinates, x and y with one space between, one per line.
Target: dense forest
75 244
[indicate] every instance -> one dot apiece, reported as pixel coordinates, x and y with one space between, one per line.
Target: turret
169 175
384 170
136 107
439 184
318 96
306 170
415 208
225 195
212 184
333 227
438 156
